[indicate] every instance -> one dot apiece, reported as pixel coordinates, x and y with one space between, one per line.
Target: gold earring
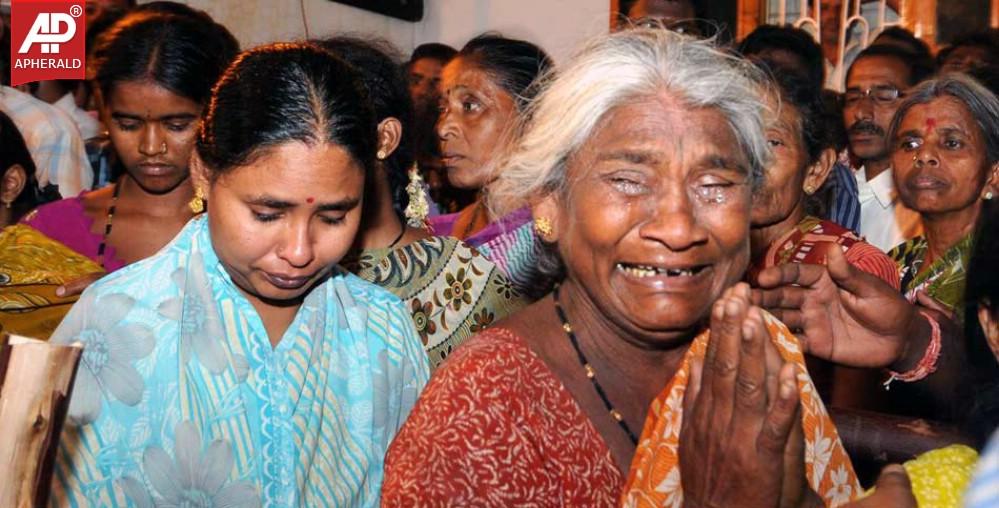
988 197
809 189
6 204
543 225
197 203
381 155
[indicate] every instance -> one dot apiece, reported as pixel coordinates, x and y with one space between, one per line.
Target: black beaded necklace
591 374
107 224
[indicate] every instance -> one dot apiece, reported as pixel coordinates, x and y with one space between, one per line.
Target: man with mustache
875 85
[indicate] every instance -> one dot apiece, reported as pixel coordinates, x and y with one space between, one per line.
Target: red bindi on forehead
310 200
931 123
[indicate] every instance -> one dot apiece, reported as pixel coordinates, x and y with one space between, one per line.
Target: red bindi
931 123
310 200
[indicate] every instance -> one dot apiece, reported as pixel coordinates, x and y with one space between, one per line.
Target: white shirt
884 221
88 125
53 140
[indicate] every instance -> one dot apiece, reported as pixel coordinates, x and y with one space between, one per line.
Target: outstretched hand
839 313
77 285
741 442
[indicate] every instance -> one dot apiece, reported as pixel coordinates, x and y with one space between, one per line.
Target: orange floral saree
654 480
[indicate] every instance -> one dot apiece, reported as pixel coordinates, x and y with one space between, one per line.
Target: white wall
557 25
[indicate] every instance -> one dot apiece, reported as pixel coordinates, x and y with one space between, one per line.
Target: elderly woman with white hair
639 166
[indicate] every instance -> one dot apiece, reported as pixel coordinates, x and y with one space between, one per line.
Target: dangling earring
418 209
197 203
543 225
6 204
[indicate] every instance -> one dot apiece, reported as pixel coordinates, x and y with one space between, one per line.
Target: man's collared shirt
53 140
884 221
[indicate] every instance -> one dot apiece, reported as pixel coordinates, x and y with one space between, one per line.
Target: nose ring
163 149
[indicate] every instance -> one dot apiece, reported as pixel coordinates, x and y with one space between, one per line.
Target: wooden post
36 380
748 17
920 18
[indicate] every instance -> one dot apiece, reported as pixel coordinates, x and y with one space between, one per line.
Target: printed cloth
451 290
654 480
182 400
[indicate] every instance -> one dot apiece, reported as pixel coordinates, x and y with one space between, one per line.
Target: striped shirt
984 489
845 209
53 139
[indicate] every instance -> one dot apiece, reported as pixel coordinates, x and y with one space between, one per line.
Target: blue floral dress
181 400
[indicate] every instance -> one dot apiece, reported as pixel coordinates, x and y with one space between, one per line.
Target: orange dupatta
654 480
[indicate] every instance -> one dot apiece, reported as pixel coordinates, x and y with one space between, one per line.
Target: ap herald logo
47 40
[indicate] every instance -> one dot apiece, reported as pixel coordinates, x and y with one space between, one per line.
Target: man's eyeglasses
882 95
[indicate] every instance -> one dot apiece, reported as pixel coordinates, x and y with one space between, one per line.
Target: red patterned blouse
495 427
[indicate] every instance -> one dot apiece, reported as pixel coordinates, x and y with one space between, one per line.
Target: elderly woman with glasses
647 360
946 163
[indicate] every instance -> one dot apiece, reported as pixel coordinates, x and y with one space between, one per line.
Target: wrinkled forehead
878 70
945 113
661 132
463 72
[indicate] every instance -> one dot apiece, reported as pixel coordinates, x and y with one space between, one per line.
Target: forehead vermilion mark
310 200
931 123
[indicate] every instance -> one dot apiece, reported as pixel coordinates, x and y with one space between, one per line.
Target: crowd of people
667 271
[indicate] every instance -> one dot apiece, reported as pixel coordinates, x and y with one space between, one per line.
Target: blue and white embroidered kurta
181 400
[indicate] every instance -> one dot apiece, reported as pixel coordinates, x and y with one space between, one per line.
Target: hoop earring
197 203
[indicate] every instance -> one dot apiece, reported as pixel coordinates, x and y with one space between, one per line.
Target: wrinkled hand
741 442
840 313
77 285
892 490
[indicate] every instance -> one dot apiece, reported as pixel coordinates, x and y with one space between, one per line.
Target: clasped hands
741 440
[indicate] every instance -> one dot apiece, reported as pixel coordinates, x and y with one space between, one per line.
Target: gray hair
981 103
614 70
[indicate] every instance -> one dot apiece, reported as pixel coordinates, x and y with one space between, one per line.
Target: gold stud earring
197 203
381 155
543 225
809 189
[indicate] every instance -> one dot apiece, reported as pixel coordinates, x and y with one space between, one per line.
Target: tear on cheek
711 195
